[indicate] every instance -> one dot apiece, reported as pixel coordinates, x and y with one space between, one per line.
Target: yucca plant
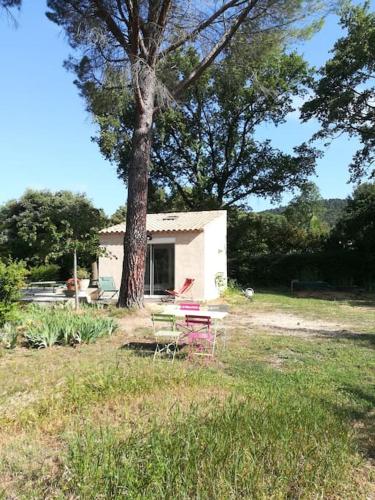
47 327
41 334
91 328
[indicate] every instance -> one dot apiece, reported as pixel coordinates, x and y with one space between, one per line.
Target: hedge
341 269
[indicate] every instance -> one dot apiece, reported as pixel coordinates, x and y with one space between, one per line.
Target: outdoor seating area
189 324
175 325
54 292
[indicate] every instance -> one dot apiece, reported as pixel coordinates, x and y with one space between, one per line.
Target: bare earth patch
285 324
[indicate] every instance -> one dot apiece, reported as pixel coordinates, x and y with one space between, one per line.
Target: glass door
148 271
159 275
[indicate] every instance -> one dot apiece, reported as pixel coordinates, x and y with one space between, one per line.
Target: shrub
46 327
12 279
45 272
8 335
340 268
83 274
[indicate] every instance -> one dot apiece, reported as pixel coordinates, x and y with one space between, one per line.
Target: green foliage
356 229
45 327
119 216
8 335
43 227
338 268
306 212
205 152
44 272
12 279
344 96
298 228
83 273
333 209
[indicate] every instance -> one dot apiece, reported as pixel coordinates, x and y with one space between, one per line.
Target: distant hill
334 209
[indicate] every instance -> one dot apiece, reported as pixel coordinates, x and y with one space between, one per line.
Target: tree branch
159 28
223 42
122 13
200 27
111 24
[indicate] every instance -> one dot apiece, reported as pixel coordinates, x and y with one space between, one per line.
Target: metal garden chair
189 306
200 337
222 332
107 285
181 293
167 336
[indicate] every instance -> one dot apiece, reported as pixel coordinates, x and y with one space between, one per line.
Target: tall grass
44 327
235 449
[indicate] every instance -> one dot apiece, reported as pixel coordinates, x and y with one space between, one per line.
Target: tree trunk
135 240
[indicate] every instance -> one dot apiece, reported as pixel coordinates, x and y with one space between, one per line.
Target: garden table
216 316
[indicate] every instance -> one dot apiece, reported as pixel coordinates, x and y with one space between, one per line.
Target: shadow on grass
141 348
145 349
363 339
363 302
353 298
362 413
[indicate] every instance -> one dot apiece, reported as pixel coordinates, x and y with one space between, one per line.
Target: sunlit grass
276 416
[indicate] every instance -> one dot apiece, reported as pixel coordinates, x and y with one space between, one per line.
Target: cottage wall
215 255
189 257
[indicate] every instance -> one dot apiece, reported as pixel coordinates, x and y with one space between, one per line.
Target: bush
45 272
8 335
12 279
339 268
46 327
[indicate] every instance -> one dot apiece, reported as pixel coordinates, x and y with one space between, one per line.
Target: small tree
305 212
356 228
37 228
12 279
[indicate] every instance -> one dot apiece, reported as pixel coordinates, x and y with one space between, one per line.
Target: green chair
166 335
107 285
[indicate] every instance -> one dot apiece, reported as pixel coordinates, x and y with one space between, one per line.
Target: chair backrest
163 318
192 320
107 284
189 306
188 283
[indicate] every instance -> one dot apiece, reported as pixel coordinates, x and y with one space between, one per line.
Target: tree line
38 227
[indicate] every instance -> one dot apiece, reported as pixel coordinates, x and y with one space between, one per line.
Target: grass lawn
282 413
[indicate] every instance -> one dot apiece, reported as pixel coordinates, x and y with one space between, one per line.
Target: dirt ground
287 323
138 326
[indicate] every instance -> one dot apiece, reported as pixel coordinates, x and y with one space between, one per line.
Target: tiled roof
174 221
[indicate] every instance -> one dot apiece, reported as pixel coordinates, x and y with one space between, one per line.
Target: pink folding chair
189 306
181 293
200 337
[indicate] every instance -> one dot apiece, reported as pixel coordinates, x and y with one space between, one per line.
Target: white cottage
180 245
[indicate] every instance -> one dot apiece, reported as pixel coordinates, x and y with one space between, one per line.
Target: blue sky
45 131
